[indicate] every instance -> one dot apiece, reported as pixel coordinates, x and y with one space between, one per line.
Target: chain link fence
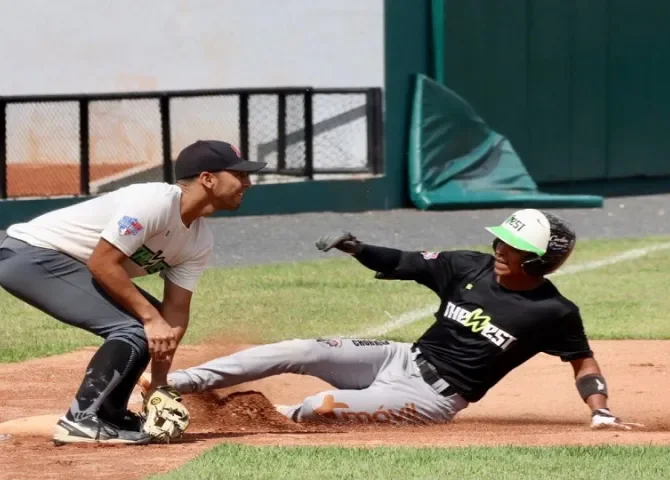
340 132
88 144
42 149
125 139
344 126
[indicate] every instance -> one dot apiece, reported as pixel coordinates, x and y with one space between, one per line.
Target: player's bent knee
136 337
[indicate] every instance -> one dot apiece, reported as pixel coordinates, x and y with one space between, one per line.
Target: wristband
590 385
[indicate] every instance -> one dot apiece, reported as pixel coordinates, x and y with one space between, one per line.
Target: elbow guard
590 385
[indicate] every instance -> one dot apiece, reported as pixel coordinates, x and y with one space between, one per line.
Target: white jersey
141 220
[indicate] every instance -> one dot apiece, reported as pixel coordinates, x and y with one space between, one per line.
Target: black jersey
483 330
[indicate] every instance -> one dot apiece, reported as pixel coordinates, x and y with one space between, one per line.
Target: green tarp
457 161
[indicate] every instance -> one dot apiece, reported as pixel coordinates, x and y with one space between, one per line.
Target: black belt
430 375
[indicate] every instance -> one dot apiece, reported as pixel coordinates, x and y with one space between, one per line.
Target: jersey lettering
370 343
477 322
148 260
515 223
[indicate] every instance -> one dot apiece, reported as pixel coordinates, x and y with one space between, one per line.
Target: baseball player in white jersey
77 263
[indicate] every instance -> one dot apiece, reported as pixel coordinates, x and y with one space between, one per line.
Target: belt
430 375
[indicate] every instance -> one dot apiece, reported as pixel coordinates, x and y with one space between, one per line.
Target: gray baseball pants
375 381
64 288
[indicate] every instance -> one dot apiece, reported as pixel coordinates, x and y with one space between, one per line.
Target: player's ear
207 179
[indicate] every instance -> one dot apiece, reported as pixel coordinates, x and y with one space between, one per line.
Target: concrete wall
73 46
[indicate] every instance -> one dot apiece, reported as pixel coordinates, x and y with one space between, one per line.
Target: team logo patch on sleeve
129 226
429 255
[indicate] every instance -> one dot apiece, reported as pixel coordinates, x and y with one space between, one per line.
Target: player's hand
602 418
344 241
161 337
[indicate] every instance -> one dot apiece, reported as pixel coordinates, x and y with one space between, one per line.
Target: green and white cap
528 230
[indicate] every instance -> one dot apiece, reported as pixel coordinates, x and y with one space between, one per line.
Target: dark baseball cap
212 156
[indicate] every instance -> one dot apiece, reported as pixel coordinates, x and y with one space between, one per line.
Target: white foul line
413 316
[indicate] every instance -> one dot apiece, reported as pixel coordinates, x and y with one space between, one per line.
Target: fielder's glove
166 417
603 418
344 241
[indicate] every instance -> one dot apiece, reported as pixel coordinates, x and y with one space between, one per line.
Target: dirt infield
40 180
535 405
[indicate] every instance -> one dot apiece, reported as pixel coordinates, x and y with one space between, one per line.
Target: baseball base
39 425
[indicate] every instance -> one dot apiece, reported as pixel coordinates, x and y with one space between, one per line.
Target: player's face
228 189
508 260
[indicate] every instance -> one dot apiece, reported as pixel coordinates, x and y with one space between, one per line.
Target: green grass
476 463
627 300
336 295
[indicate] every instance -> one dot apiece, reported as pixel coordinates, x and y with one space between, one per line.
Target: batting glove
345 242
603 418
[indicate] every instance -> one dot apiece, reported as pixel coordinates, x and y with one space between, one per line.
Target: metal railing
90 143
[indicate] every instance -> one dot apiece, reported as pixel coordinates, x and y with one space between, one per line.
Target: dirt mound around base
246 411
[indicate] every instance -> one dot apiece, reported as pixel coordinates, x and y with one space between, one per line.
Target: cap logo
237 151
515 223
560 243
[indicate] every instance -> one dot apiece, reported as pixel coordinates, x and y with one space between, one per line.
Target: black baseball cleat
131 421
92 429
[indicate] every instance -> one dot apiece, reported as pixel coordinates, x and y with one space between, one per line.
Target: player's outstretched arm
379 259
592 387
427 268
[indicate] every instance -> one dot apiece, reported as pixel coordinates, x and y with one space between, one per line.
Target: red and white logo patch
429 255
237 150
331 342
129 226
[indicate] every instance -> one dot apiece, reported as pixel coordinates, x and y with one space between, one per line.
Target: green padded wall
579 87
